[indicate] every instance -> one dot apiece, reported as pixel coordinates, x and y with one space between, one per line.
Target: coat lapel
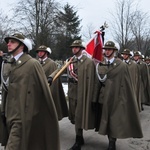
23 59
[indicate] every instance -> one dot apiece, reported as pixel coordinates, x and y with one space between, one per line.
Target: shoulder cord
5 83
101 79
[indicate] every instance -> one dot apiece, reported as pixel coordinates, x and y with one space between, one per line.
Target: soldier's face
75 50
109 53
147 61
41 54
12 45
125 56
136 58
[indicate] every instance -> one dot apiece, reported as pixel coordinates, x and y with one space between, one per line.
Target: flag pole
58 72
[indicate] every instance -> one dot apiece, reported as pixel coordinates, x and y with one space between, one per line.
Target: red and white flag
94 47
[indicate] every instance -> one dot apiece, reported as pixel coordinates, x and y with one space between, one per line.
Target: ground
94 141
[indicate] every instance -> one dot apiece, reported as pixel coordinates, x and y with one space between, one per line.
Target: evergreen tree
68 25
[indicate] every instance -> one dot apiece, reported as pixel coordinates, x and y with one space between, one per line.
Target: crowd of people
106 96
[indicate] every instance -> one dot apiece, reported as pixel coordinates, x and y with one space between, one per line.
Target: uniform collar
18 56
43 59
79 57
110 61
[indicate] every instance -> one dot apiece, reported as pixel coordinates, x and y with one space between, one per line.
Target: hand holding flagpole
58 72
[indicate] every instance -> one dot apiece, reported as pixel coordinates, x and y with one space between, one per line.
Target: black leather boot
79 142
112 145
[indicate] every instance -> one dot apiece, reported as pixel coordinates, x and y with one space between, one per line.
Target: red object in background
95 45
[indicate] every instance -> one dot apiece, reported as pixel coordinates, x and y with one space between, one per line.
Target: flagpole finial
102 28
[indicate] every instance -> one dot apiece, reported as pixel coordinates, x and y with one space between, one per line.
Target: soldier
57 91
145 84
114 92
28 109
134 74
147 60
5 71
81 73
1 59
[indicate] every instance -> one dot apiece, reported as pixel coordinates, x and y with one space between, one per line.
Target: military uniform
147 60
57 91
5 71
81 73
31 119
119 114
145 79
135 76
80 93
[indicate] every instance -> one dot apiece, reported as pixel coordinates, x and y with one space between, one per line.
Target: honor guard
145 84
134 74
56 88
81 73
118 113
29 114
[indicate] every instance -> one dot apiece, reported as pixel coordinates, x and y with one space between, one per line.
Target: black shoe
142 108
112 146
79 142
76 146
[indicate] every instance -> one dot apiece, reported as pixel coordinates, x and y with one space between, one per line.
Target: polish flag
94 47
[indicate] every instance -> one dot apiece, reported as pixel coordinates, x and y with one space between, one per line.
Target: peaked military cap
21 38
44 48
147 58
137 53
16 36
127 52
110 45
77 43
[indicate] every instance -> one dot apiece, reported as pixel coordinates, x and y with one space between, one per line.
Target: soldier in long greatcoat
145 78
119 113
57 91
30 115
81 73
134 74
147 60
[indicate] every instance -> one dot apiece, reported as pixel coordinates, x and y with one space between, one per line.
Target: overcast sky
94 12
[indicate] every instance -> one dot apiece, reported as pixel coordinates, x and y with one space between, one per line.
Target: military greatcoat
82 93
120 116
145 82
57 91
31 117
135 79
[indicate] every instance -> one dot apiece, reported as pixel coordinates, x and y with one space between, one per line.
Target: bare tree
130 26
36 19
5 27
141 31
121 22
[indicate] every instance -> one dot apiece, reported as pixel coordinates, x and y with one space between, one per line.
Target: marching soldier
145 84
57 91
81 73
147 60
28 110
134 74
5 71
114 92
